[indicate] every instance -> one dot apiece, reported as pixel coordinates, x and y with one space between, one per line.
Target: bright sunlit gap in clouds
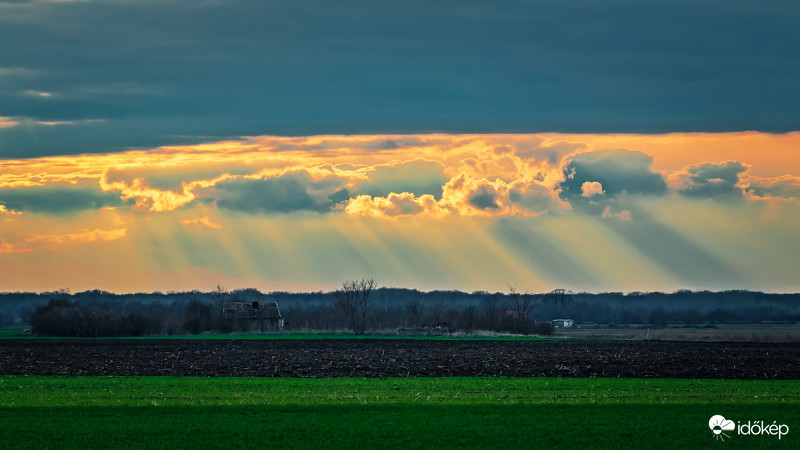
469 212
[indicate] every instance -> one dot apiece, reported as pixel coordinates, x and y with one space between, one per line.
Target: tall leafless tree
414 311
442 302
521 304
492 312
559 299
219 294
468 318
353 301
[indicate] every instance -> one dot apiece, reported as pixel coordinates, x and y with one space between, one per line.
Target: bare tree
468 318
521 304
388 301
414 311
353 301
219 295
442 302
491 310
559 299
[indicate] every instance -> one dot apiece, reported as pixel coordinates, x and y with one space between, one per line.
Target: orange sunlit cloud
86 236
6 122
395 205
512 202
202 222
4 210
770 154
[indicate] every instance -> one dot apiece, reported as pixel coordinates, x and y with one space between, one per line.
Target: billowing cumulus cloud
415 177
466 175
536 197
464 196
267 175
285 194
618 171
605 183
710 180
485 197
4 210
785 187
441 211
591 188
146 197
492 162
608 213
476 196
396 205
481 197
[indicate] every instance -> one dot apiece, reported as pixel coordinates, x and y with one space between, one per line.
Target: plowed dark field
401 358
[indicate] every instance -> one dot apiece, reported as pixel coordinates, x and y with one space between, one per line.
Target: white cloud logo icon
719 425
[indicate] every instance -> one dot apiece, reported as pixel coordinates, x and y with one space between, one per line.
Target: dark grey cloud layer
164 72
298 191
56 200
285 194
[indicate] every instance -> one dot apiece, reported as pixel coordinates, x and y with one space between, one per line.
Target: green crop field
190 412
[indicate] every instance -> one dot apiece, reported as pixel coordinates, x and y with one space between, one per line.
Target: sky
595 146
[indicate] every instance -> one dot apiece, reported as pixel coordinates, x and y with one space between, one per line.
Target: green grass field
188 412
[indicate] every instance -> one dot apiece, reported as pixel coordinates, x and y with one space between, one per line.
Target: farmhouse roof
251 310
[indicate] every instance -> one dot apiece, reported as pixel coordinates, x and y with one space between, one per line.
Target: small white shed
562 323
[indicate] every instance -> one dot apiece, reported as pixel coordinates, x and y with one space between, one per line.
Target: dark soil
402 358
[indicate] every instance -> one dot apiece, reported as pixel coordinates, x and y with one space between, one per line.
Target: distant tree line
99 313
